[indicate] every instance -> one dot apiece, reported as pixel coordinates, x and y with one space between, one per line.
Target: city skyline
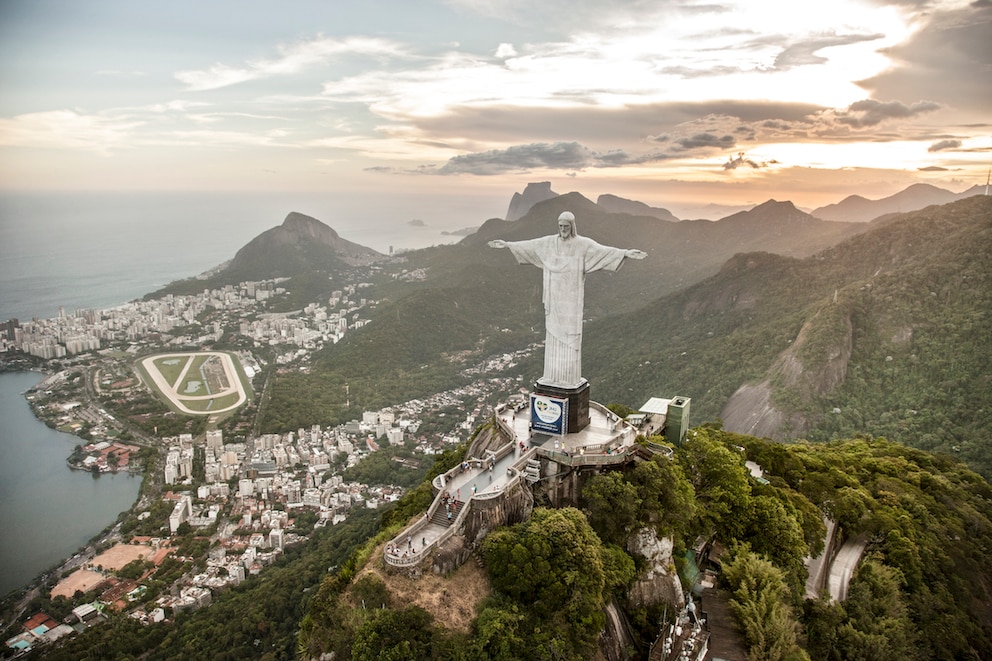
668 103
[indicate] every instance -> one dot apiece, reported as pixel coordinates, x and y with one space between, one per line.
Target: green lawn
171 367
217 404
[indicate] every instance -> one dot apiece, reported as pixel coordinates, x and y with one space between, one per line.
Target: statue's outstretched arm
634 254
497 243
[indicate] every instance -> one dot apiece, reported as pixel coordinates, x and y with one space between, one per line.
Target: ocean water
98 250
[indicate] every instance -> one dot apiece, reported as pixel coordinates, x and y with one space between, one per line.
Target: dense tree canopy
761 604
552 568
922 591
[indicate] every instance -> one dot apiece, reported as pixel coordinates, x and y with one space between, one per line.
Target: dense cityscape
138 322
213 510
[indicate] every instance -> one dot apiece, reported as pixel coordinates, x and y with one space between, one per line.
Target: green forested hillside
475 301
887 333
922 591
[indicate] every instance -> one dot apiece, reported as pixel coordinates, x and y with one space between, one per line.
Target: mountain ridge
521 203
883 333
855 208
615 204
476 300
297 233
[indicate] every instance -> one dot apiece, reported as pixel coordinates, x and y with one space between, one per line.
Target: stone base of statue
578 403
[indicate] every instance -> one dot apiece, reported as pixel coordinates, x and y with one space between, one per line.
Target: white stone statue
565 258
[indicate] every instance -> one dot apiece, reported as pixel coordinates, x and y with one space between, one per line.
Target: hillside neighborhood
244 499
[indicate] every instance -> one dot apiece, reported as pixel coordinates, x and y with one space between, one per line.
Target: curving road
843 566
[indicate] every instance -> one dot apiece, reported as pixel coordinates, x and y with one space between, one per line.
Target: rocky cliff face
487 439
814 365
616 639
515 506
658 583
520 204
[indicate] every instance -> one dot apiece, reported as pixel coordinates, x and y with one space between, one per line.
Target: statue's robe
565 263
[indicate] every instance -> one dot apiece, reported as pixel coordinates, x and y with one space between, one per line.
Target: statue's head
566 225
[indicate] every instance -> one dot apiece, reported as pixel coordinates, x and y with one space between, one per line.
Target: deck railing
598 455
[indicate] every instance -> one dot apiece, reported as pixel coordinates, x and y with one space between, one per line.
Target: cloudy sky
668 102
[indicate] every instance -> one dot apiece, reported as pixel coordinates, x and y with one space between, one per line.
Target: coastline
98 459
54 506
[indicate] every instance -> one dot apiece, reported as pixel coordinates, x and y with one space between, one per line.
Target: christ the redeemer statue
565 258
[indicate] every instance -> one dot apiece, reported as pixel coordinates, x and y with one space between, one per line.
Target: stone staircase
441 516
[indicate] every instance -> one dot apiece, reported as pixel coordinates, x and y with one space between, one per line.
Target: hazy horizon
437 110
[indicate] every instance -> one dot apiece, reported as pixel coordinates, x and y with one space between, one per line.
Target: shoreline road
178 399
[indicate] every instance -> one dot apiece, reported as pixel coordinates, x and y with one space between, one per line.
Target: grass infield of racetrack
171 366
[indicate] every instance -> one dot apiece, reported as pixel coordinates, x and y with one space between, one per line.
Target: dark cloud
701 140
557 155
614 158
582 138
933 168
870 112
741 160
949 59
944 144
606 126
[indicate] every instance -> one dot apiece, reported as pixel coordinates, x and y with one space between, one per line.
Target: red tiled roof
38 619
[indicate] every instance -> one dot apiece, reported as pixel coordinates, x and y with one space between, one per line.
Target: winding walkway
605 441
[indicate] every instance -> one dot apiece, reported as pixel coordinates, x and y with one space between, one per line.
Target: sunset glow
464 96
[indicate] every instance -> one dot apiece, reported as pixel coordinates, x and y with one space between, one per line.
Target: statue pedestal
578 403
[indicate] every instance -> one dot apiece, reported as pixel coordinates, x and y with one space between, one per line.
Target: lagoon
47 510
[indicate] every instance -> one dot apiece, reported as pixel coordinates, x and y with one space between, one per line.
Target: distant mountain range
772 320
856 209
852 209
615 204
689 250
684 251
680 253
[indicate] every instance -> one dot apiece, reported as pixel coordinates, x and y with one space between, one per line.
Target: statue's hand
636 254
497 243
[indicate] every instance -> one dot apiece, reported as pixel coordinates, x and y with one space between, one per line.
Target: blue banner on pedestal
548 414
